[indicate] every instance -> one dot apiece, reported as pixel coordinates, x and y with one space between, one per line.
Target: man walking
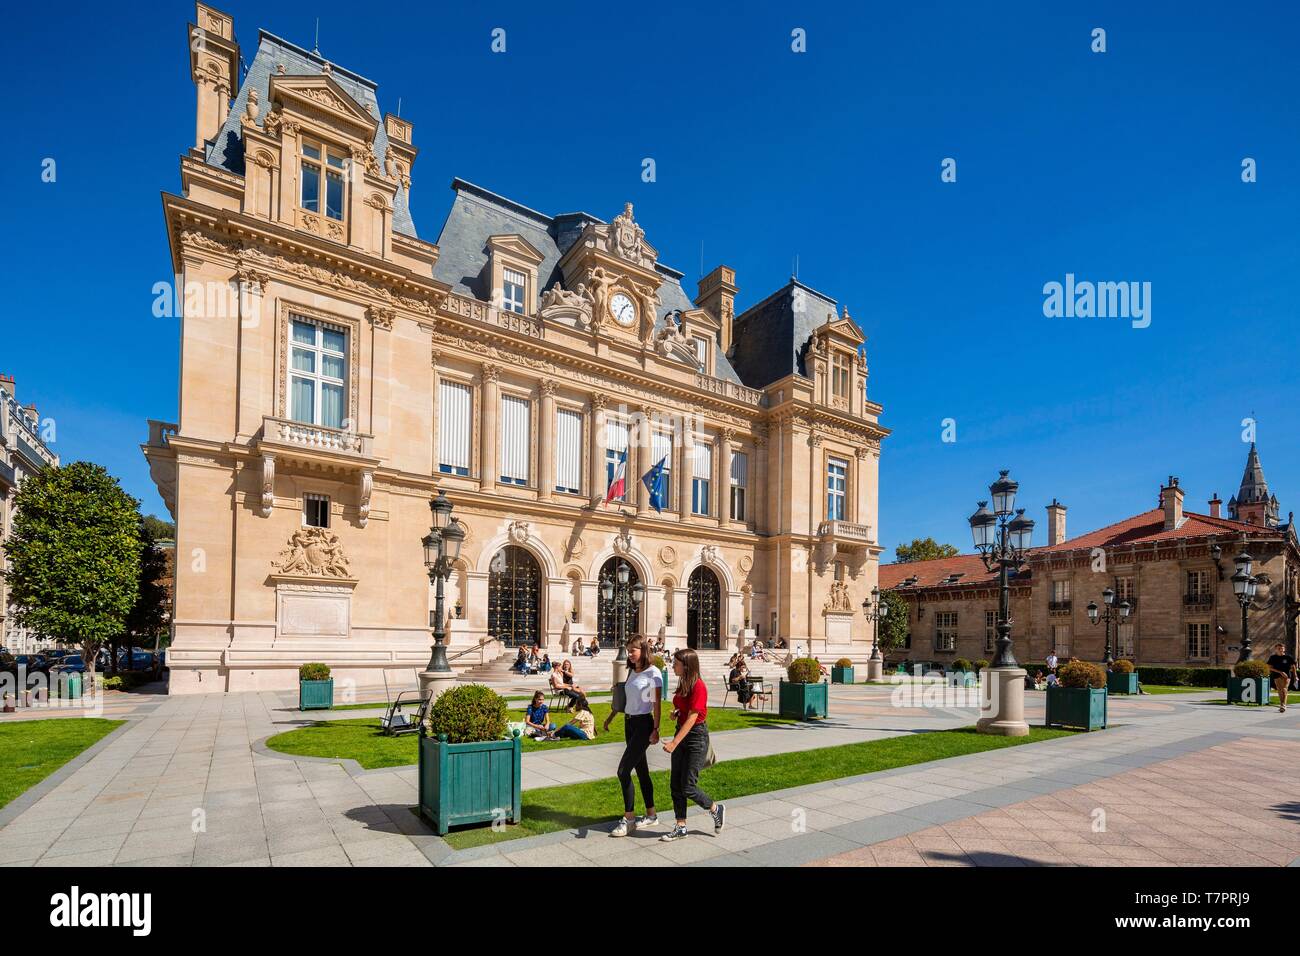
1281 666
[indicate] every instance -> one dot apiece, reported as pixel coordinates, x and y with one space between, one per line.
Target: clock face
621 307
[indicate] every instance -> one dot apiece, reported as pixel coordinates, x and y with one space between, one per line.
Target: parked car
69 663
138 661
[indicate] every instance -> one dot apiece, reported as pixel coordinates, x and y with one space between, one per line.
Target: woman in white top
643 696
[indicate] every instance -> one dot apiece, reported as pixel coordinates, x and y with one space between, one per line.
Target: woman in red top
690 745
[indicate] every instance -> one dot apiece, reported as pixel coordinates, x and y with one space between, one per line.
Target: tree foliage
76 556
149 618
923 549
159 528
895 625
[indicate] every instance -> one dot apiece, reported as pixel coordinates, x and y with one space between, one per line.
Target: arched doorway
703 622
607 614
514 595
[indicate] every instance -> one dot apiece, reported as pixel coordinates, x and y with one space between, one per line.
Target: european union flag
656 482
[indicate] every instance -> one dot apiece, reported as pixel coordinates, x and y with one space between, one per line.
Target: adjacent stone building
23 452
1173 566
338 368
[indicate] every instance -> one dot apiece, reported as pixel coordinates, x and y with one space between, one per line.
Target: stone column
487 454
724 477
597 463
644 452
546 443
757 492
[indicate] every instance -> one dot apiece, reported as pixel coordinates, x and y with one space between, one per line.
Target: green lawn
361 740
576 805
522 698
31 750
1172 689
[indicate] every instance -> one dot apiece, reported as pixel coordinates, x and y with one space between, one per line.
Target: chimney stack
1171 500
1215 504
214 68
717 296
7 383
1055 523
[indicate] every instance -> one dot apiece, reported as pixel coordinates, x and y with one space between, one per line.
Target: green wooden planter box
1248 690
316 694
962 679
1082 707
804 701
841 675
461 784
1122 683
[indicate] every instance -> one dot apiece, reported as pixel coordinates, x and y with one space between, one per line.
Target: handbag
710 758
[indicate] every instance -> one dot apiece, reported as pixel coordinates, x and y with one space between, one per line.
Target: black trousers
688 760
637 729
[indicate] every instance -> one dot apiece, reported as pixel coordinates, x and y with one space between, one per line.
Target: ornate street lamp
1244 586
441 551
875 611
622 599
1117 614
1002 542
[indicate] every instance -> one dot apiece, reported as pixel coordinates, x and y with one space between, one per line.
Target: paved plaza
1173 782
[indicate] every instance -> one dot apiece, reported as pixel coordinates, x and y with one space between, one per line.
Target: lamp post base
617 689
1002 702
435 683
875 669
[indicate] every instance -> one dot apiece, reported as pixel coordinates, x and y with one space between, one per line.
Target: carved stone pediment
313 552
322 98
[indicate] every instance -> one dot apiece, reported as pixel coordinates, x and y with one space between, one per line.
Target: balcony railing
315 437
1059 607
160 432
726 389
845 531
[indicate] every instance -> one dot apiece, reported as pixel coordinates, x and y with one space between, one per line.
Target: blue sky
1115 166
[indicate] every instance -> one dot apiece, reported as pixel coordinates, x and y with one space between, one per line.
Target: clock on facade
622 309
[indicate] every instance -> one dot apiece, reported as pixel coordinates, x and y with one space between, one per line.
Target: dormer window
322 181
840 375
513 287
701 345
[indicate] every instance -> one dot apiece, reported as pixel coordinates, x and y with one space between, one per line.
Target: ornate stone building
1174 567
23 452
337 369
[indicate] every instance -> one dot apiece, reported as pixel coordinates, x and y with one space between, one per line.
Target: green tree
76 557
923 549
895 625
159 529
148 620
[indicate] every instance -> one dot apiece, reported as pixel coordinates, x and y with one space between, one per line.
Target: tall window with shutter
615 449
454 410
516 413
739 484
568 451
702 479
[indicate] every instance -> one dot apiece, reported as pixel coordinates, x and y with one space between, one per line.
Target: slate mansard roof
476 214
771 338
227 149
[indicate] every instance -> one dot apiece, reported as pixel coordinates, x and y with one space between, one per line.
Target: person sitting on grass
536 717
1052 680
581 727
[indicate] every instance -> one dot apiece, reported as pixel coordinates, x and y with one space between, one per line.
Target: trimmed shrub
804 670
470 713
1251 669
960 664
1081 674
981 665
844 662
111 683
1185 676
1122 666
659 662
314 670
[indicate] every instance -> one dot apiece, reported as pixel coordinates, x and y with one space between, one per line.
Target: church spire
1253 503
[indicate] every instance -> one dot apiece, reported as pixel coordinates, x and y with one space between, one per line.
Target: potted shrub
961 672
803 695
1122 679
842 671
315 687
1249 683
981 665
1079 700
662 664
469 771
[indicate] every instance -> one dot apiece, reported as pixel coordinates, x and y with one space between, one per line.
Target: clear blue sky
1122 166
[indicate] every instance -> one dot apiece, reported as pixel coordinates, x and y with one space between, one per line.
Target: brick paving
188 782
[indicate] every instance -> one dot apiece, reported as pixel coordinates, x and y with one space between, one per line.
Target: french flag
618 483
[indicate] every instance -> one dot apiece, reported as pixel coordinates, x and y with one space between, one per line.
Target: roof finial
316 48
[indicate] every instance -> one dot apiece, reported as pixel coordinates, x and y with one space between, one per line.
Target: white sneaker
676 833
623 827
647 821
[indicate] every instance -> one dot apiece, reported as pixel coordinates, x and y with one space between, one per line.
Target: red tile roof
1144 528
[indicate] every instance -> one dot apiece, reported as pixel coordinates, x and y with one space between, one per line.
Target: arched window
514 594
610 620
703 621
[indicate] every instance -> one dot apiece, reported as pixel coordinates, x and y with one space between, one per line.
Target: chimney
717 296
7 383
1215 504
1055 523
214 65
1171 500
